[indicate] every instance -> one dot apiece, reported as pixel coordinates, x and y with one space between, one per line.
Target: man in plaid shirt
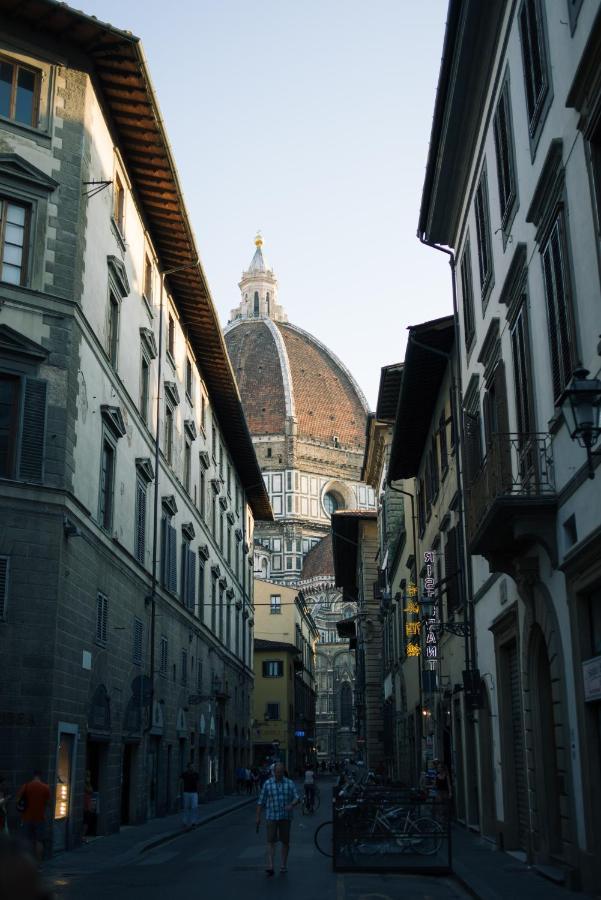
279 797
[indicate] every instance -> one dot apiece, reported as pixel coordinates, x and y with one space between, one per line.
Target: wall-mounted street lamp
581 406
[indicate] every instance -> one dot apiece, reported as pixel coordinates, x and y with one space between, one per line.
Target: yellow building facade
284 667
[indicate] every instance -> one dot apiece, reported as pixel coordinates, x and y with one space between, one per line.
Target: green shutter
172 558
31 462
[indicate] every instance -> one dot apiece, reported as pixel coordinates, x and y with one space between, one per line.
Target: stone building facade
307 417
126 590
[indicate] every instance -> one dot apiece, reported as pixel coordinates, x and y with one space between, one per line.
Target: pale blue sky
310 120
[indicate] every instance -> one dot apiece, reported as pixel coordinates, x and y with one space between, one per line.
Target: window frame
5 201
109 441
536 117
509 204
118 205
145 365
466 278
38 76
140 538
275 609
484 238
558 225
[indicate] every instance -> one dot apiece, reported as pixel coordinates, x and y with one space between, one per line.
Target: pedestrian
190 783
442 790
279 797
33 798
89 812
4 798
255 779
249 781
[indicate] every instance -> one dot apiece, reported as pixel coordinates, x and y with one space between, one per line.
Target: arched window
256 303
267 303
332 502
346 706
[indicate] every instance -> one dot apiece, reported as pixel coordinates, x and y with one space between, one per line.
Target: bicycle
409 833
307 808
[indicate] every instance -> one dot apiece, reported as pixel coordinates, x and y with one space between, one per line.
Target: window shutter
184 574
450 569
31 463
3 585
164 560
502 423
172 556
473 444
137 649
191 598
140 521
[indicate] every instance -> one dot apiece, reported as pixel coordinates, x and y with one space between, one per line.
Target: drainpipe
456 390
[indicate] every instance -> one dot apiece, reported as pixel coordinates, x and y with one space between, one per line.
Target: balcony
511 501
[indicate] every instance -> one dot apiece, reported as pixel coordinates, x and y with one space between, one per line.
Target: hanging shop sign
412 621
433 617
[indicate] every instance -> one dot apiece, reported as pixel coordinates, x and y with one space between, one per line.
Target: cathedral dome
284 373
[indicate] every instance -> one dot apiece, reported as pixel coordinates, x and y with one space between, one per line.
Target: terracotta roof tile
256 364
319 561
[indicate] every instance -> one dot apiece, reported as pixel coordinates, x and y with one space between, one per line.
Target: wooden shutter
31 462
140 521
3 585
501 416
191 585
451 572
172 558
164 551
473 445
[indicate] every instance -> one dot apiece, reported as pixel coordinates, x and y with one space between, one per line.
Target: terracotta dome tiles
256 365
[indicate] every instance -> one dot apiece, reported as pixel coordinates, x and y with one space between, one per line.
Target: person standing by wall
32 801
279 797
4 798
190 784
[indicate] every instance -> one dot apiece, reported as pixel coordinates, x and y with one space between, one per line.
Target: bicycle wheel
324 839
426 836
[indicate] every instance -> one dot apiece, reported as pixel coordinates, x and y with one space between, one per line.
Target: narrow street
226 859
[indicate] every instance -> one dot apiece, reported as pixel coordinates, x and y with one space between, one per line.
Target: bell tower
259 290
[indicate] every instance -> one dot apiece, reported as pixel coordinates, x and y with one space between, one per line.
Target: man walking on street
190 780
32 800
279 797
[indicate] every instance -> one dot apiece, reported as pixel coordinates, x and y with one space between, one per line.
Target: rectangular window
19 92
201 591
168 555
22 427
3 586
534 58
559 312
214 604
199 676
442 438
164 656
522 378
144 388
273 668
102 612
113 330
14 229
168 435
188 577
203 413
505 157
214 443
171 337
221 461
107 481
140 531
228 549
221 531
184 670
187 465
202 489
137 642
467 295
221 610
483 236
421 508
272 711
118 202
189 380
148 280
275 604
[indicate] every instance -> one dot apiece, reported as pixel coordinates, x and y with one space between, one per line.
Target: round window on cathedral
332 502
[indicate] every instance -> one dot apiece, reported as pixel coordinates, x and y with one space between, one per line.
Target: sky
309 121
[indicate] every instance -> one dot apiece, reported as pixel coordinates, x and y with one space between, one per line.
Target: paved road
225 859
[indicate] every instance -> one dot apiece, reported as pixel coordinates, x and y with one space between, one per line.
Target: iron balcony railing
515 465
